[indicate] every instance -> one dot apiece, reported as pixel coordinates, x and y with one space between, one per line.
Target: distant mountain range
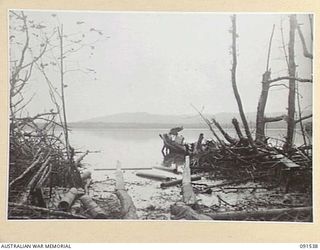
147 120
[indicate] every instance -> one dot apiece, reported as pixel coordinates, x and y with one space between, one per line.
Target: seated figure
179 139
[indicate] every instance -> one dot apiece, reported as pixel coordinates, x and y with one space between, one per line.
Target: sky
162 62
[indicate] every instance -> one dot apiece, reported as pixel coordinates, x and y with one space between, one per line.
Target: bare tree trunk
237 128
292 84
60 31
234 83
260 122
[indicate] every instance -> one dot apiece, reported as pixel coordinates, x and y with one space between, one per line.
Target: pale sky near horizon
161 62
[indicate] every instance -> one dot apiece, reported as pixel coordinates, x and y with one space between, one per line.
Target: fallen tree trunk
128 209
187 191
156 177
262 214
178 182
68 199
92 208
180 211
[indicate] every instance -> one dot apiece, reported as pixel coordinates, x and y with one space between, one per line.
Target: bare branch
22 107
303 118
26 45
288 78
278 85
36 116
36 58
209 125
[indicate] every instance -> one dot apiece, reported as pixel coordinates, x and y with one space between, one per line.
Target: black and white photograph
137 115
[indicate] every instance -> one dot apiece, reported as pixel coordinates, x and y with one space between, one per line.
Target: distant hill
147 120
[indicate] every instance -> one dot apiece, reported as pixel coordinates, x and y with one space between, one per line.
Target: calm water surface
135 148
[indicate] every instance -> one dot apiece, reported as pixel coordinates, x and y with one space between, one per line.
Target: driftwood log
128 209
152 176
68 199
